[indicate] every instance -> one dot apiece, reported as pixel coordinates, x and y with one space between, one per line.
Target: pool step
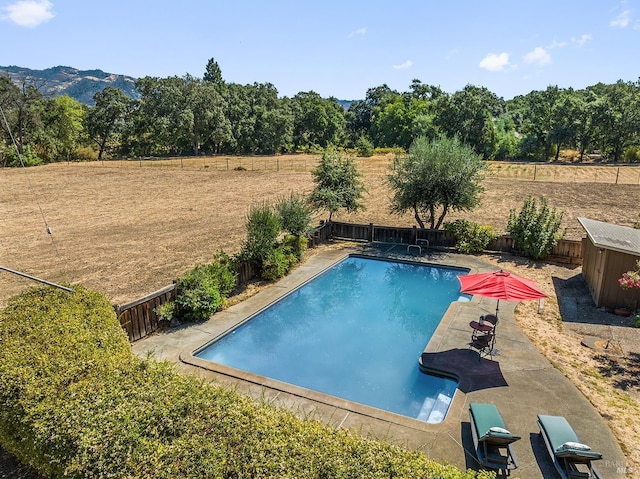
433 411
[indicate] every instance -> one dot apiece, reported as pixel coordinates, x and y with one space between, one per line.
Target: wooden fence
138 318
566 251
390 234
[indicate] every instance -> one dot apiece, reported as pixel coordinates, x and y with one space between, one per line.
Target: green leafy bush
364 146
295 214
197 295
278 263
296 245
28 157
165 311
85 154
203 290
535 230
631 154
471 237
263 228
396 150
77 403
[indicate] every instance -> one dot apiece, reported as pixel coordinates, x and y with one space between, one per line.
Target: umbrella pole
497 307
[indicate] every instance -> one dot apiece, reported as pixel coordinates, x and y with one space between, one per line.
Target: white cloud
622 20
539 56
360 32
495 62
28 13
556 44
404 66
582 40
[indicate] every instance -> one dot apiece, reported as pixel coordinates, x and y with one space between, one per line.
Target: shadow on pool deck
519 380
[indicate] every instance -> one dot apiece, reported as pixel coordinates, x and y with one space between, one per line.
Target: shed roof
613 237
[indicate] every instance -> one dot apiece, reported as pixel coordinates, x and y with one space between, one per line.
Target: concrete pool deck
518 380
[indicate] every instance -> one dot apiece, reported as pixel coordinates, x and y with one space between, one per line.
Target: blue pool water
355 332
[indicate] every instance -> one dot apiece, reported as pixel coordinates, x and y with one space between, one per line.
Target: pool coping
520 381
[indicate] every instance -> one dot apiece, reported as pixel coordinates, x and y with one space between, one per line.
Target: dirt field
129 231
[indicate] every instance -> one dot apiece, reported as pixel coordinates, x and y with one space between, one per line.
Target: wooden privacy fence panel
390 234
351 231
245 273
138 318
320 235
567 251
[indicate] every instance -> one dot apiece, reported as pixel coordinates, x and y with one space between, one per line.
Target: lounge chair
491 439
571 458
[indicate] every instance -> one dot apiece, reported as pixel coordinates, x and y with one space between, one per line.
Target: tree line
192 116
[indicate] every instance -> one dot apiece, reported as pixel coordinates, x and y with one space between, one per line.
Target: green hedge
77 403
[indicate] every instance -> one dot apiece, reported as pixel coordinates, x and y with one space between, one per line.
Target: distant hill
78 84
346 103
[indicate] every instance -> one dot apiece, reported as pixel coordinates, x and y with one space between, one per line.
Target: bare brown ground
129 231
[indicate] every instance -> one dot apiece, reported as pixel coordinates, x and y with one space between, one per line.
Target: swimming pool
355 332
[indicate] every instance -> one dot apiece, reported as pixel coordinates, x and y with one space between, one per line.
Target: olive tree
437 176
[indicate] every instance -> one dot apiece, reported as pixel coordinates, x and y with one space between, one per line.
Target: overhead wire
48 228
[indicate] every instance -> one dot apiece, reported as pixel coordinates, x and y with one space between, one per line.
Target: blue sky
335 48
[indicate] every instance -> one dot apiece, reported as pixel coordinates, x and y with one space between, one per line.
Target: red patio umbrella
500 285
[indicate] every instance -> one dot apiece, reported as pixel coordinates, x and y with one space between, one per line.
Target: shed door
600 260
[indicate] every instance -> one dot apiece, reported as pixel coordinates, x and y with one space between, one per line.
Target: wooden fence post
371 232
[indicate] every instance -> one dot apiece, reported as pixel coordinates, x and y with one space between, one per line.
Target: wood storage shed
608 251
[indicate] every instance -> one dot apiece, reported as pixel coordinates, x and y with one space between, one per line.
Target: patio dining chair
483 343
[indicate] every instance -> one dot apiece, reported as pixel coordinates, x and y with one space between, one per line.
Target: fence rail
381 164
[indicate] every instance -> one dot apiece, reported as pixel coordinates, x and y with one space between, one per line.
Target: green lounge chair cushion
563 439
489 423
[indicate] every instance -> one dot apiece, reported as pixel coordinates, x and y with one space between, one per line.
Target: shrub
263 228
535 231
364 147
203 290
295 214
86 154
471 237
631 154
197 295
165 311
77 403
28 157
296 245
278 263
